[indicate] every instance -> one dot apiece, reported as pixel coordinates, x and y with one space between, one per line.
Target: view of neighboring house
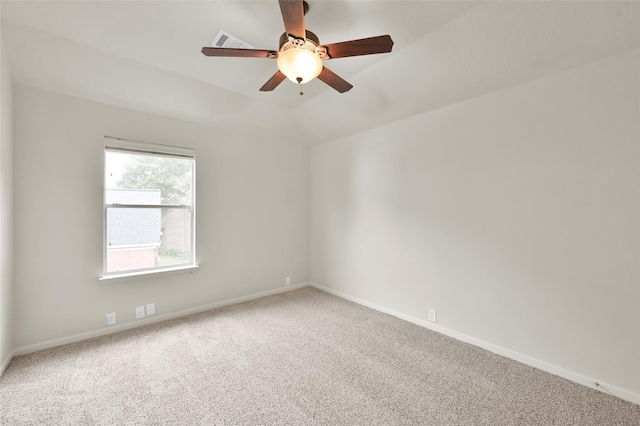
133 235
176 232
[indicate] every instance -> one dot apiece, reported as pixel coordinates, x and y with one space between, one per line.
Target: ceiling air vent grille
224 39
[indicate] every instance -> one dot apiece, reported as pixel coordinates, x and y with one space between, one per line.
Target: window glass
149 211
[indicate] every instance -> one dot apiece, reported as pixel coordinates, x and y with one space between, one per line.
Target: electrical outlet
151 308
139 311
433 315
111 318
287 281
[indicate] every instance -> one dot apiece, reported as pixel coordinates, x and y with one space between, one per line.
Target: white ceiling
146 55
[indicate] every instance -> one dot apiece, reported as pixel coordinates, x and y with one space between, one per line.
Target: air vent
224 39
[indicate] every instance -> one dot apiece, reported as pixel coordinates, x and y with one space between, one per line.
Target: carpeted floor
299 358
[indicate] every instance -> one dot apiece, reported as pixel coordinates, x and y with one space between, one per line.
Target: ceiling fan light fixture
299 63
300 53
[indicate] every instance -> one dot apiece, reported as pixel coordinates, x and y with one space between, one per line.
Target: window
149 207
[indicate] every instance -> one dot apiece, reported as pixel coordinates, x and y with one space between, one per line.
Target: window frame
114 144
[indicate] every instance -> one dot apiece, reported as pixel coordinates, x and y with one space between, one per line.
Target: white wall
515 215
252 216
6 212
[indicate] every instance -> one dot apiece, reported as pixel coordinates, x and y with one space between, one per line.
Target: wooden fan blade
273 82
363 46
293 17
239 53
334 80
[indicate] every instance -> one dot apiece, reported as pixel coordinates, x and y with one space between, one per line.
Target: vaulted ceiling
145 55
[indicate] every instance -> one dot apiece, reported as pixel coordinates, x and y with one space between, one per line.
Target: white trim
149 273
147 147
154 149
23 350
131 246
6 362
625 394
146 206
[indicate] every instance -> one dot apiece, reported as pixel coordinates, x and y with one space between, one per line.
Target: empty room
320 212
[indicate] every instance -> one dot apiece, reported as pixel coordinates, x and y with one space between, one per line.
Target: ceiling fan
300 54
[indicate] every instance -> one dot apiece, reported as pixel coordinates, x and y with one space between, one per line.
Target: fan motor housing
311 42
298 42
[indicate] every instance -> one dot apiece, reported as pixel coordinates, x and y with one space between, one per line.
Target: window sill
115 278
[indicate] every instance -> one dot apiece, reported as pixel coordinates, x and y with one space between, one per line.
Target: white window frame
145 148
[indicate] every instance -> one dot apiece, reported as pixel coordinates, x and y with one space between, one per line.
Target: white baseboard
533 362
114 329
6 362
516 356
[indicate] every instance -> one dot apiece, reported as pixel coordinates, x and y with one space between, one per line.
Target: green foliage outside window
172 176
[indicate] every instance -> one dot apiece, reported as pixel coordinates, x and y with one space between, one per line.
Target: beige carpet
298 358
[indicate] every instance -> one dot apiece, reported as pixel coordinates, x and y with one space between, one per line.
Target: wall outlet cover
139 311
111 318
151 308
287 281
433 315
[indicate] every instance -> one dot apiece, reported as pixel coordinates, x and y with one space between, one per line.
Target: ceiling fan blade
293 17
363 46
334 80
239 53
273 82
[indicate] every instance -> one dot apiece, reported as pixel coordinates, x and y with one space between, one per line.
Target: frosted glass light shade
301 63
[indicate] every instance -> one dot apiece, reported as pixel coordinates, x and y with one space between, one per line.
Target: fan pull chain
299 80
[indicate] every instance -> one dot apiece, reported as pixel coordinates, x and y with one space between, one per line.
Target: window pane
147 238
170 176
175 246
